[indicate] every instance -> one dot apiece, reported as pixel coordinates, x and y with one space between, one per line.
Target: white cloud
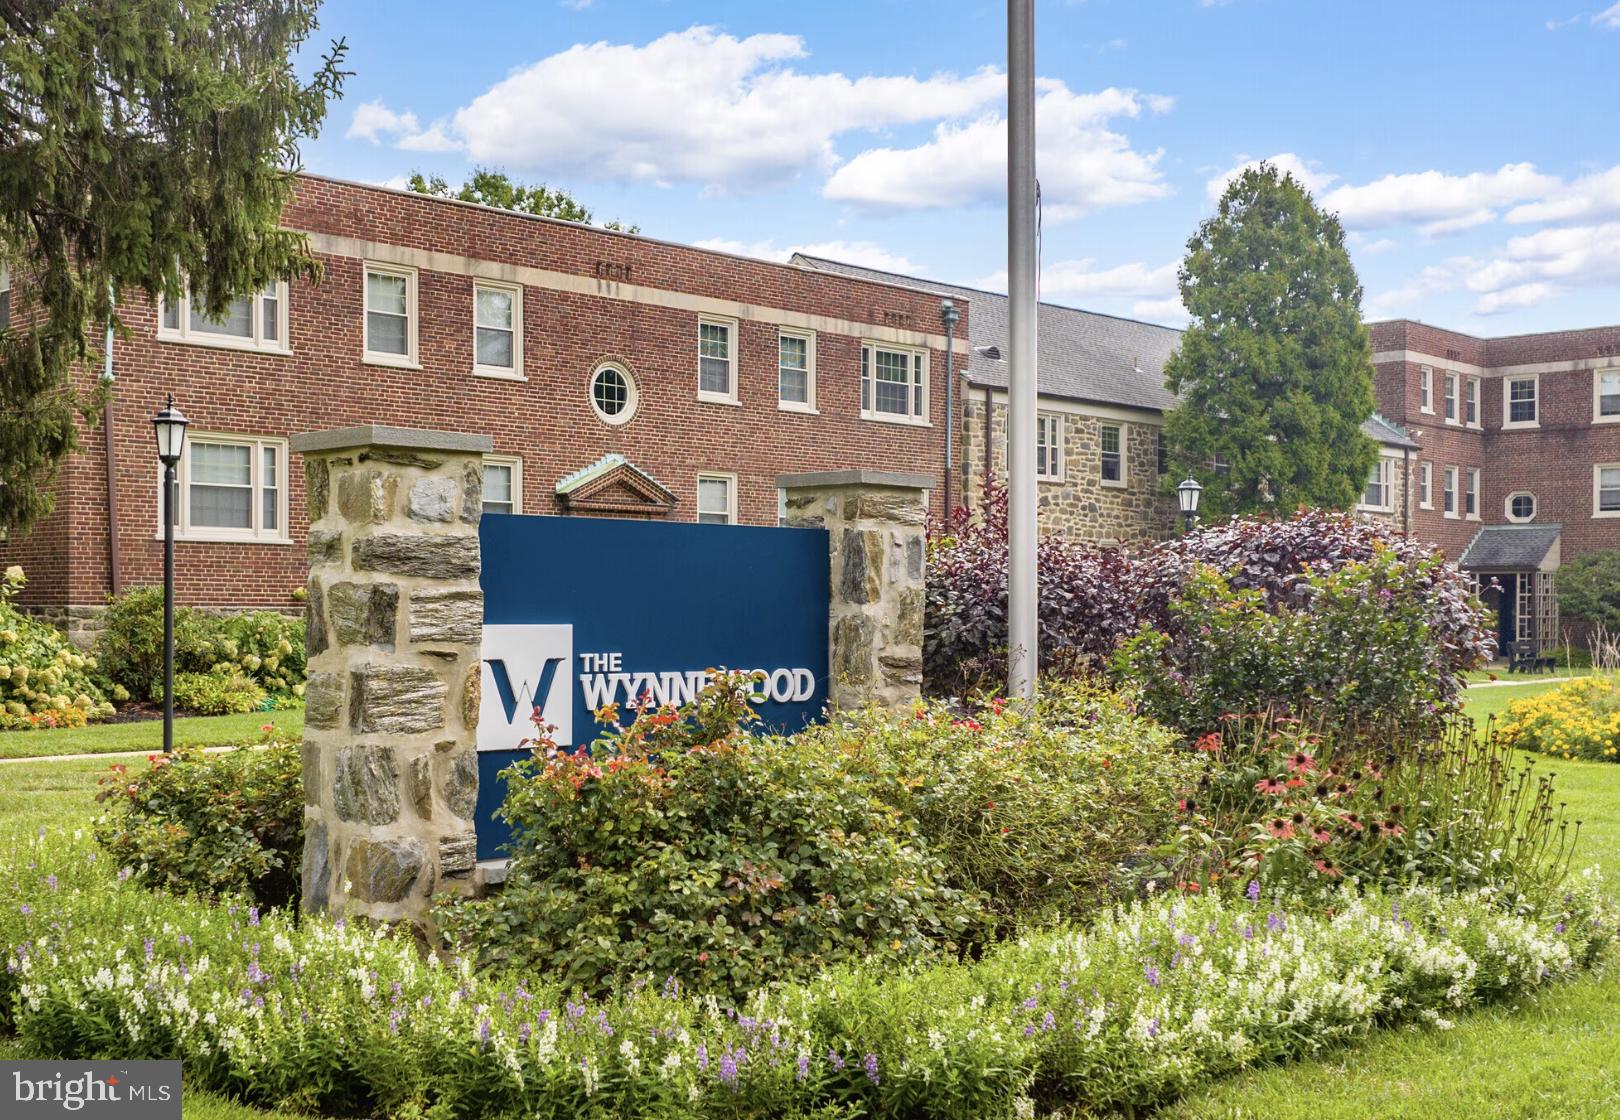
1084 165
1401 301
1308 173
373 119
1368 246
866 254
1512 299
1591 196
1169 312
1541 264
1608 19
1080 280
1437 201
696 106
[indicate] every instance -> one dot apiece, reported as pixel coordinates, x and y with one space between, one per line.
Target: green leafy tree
1589 588
496 188
1275 374
142 142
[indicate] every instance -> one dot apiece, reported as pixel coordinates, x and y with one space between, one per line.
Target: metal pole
949 315
168 608
1022 590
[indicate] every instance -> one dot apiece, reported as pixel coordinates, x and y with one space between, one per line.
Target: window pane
1609 489
794 367
222 507
237 321
892 384
494 308
1609 395
269 520
386 293
497 488
386 334
271 329
171 315
494 347
714 375
1110 454
226 464
1522 401
714 500
714 340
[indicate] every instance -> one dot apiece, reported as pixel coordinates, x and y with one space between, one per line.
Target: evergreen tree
488 187
1275 374
142 143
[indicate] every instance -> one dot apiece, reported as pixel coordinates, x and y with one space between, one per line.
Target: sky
1471 147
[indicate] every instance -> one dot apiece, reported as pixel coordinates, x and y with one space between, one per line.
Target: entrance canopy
1513 548
1516 565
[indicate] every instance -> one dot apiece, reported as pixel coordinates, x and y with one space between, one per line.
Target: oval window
1521 506
613 394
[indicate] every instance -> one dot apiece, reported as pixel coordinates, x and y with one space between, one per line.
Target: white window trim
1507 401
869 361
1124 456
1474 389
1054 422
1426 390
731 495
184 335
1452 398
516 463
1451 480
1386 471
735 336
1597 479
1473 485
1597 395
410 359
277 534
632 402
1425 484
514 372
808 406
1507 506
5 291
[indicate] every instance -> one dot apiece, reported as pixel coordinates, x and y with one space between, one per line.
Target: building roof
1513 548
1082 355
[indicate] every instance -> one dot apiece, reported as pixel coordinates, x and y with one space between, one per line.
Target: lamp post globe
1187 494
169 426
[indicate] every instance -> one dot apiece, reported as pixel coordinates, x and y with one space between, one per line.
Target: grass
1482 703
147 735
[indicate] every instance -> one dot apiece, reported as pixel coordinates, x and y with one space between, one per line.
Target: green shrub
215 824
265 646
221 692
1589 588
1033 811
130 644
44 680
683 847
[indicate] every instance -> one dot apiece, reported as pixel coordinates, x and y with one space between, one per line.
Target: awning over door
1513 548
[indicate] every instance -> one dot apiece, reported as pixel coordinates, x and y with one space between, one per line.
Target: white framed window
1049 447
1451 398
1111 442
796 371
1471 495
256 322
1426 389
228 488
497 330
716 499
1448 495
1605 396
1520 506
894 383
1521 401
1161 452
5 297
1379 497
1606 490
717 360
390 308
1471 403
503 484
613 392
1425 485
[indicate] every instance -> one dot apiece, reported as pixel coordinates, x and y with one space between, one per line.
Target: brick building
616 375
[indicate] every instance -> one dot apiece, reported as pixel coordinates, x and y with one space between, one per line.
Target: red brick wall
547 420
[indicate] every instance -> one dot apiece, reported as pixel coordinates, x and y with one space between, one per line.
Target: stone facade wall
1079 505
875 522
395 618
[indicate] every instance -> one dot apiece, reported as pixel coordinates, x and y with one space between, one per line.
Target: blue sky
1471 148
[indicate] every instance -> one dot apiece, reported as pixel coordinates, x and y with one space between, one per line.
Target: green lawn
147 735
1482 703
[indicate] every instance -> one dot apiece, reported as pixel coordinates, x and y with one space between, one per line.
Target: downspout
949 316
116 580
1406 491
987 456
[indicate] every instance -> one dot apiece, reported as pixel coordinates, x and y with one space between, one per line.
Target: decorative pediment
615 486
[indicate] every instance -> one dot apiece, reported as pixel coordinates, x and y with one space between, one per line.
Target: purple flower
483 1031
1559 928
524 1031
393 1020
1153 1028
804 1067
253 915
1248 933
834 1060
1152 976
545 1016
871 1067
1275 923
728 1069
1029 1004
702 1057
1029 1031
26 910
50 881
1048 1021
124 873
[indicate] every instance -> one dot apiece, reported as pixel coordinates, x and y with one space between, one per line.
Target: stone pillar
395 618
875 521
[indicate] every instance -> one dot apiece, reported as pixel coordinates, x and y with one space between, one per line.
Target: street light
170 427
1188 494
950 316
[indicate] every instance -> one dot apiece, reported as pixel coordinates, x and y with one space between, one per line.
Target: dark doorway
1507 619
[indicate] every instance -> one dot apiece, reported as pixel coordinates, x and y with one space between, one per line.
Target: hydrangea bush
1580 719
44 680
345 1019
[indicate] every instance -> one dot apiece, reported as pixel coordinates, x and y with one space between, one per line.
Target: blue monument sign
581 612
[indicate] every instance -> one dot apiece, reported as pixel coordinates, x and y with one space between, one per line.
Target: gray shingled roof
1083 356
1510 548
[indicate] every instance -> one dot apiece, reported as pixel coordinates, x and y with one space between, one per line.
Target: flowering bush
1580 719
221 692
1033 811
345 1019
44 681
231 822
681 846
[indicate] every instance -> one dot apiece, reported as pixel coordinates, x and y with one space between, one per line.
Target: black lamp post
170 426
1187 495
